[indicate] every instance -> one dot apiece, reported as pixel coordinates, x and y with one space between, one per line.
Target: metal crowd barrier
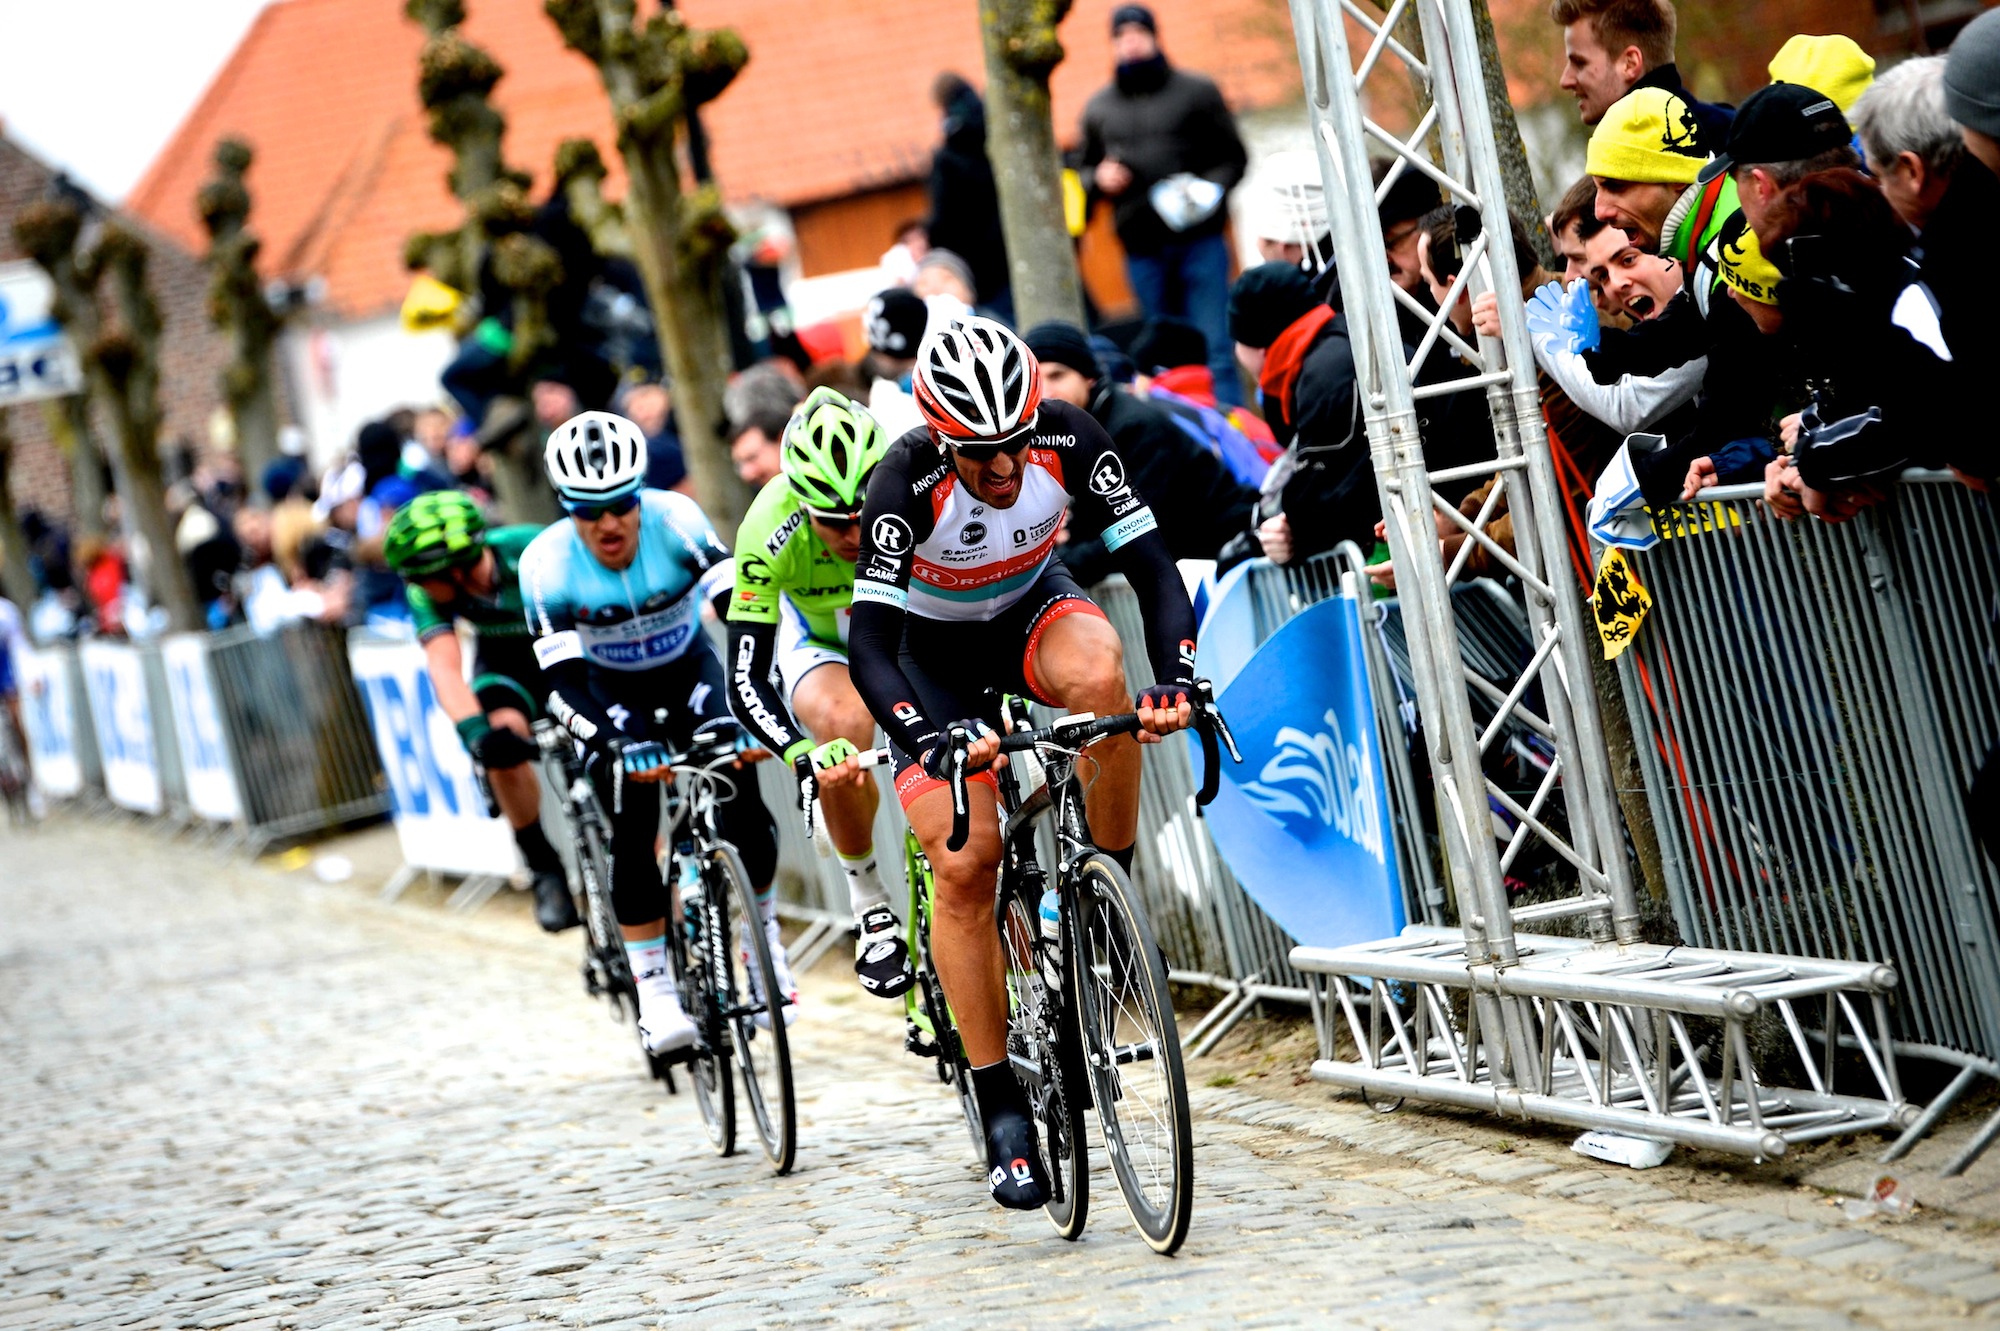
301 744
1812 702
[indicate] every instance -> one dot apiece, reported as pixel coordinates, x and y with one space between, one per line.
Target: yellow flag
1620 600
1076 203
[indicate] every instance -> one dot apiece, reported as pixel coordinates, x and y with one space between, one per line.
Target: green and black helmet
830 446
438 530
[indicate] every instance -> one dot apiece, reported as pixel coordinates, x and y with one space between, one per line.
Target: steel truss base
1639 1039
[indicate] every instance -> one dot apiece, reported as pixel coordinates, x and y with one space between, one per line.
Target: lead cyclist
794 584
956 594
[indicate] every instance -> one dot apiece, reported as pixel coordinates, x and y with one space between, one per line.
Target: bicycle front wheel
703 978
1133 1048
754 1008
1035 1031
606 969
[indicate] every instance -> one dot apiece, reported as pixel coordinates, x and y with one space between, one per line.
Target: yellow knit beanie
1647 137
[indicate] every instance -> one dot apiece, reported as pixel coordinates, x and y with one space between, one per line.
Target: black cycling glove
1168 695
937 759
501 748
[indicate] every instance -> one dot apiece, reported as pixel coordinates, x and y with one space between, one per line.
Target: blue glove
639 757
1567 318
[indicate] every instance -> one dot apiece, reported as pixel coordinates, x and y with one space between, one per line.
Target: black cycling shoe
1014 1169
881 957
555 909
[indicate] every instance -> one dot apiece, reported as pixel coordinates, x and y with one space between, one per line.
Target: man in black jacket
1322 491
965 207
1611 47
1160 144
1196 501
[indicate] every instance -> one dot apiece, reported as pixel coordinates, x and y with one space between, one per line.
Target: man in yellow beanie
1645 155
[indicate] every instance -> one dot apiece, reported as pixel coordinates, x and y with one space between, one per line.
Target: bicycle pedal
915 1042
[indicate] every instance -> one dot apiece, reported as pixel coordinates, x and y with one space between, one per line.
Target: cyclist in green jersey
454 569
794 581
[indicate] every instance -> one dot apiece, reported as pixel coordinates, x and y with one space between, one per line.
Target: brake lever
961 808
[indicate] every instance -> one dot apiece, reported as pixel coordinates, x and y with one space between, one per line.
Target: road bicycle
1090 1018
716 949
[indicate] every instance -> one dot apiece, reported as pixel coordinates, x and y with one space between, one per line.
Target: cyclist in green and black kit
455 569
794 581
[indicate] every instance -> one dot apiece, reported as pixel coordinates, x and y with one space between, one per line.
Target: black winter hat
1064 344
1266 301
1138 14
1166 344
895 322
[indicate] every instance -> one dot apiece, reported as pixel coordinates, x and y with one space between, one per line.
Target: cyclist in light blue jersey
613 597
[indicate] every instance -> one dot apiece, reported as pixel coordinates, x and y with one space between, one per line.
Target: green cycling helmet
438 530
830 445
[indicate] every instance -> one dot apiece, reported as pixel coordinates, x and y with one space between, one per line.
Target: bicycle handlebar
1076 732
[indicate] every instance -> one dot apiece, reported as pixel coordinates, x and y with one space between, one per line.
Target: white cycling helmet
976 382
596 457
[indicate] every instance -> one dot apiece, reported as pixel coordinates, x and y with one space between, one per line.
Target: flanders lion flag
1620 600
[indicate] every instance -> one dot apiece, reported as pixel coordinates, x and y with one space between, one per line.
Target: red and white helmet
976 382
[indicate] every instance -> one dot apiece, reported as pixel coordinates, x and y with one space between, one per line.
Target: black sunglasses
617 508
982 453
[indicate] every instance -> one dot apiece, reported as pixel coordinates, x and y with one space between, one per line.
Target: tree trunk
69 424
236 305
17 582
652 75
1522 200
1021 49
125 368
122 366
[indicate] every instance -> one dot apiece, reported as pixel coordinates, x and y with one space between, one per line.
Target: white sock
864 885
647 956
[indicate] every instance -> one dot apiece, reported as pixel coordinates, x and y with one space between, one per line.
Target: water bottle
688 870
1051 913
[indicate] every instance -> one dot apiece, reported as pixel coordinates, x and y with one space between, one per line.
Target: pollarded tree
121 364
455 81
1021 50
237 306
654 74
579 178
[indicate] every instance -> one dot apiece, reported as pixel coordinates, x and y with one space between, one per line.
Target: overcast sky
103 115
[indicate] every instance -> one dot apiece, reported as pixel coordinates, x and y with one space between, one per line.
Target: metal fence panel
1813 701
298 731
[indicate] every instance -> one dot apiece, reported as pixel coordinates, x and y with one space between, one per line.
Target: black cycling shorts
961 668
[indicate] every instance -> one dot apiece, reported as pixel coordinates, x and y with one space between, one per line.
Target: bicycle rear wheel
1133 1048
1036 1021
929 994
747 986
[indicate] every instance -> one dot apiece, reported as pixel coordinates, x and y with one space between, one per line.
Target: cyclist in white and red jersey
956 601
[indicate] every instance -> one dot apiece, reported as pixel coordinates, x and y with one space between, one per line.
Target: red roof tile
325 90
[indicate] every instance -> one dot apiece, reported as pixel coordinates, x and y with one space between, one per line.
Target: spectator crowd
1788 292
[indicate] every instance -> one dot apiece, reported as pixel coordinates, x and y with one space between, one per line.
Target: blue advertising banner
1303 822
211 781
49 711
115 680
439 812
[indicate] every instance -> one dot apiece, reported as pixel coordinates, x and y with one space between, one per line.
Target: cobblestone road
229 1099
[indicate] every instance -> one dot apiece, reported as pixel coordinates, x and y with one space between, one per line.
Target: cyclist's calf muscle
964 942
1080 663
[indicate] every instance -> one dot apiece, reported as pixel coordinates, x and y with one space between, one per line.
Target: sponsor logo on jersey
784 532
978 511
923 483
973 532
903 712
891 535
1107 474
753 571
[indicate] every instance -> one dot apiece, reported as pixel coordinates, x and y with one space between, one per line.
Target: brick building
192 353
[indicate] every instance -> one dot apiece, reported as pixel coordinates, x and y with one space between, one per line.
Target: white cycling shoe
788 988
663 1026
